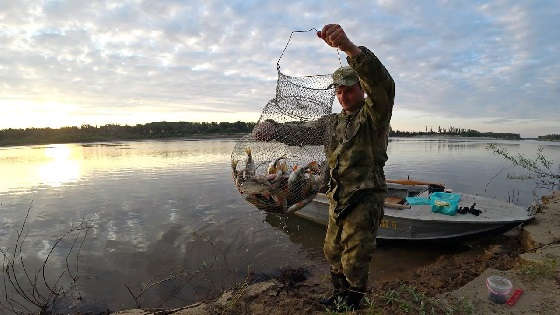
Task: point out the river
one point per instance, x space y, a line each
168 209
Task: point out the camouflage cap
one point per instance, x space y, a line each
345 76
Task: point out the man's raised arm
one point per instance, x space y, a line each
376 82
375 79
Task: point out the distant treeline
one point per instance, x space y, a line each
453 131
158 130
89 133
552 137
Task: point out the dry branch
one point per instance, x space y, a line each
24 290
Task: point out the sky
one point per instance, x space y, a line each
485 65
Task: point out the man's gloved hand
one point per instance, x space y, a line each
334 36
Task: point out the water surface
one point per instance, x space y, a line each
157 208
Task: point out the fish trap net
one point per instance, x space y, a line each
281 165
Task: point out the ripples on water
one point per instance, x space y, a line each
158 207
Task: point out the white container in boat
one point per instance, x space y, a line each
498 289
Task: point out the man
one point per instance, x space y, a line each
356 154
356 149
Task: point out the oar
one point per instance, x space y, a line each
413 182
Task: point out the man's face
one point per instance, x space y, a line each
350 97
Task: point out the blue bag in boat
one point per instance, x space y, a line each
418 201
445 203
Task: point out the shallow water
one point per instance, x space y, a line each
161 208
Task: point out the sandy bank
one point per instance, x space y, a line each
537 271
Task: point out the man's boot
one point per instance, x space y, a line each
340 285
352 298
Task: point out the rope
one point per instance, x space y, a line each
288 43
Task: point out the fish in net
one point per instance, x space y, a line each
281 165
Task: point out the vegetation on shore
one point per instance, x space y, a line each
456 132
89 133
160 130
551 137
541 168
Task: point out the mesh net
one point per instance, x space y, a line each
281 165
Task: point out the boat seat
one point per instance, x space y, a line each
395 203
394 199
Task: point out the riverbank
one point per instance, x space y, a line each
529 256
112 132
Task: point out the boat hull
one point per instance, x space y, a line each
396 224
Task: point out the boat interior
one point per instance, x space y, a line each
398 190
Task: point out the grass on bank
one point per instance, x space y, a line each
407 299
548 269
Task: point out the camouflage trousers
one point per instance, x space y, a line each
350 240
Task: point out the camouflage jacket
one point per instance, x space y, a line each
356 146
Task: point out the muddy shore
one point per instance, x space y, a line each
456 283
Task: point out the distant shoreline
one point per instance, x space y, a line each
111 132
205 130
189 137
460 137
470 137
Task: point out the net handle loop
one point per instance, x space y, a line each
288 43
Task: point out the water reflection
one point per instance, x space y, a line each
63 167
388 257
303 232
27 168
159 206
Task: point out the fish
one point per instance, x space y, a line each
298 175
283 168
281 172
250 168
299 182
316 182
280 192
234 168
275 165
255 185
261 180
235 174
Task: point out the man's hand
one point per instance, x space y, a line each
334 36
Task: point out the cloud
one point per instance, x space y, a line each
460 59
